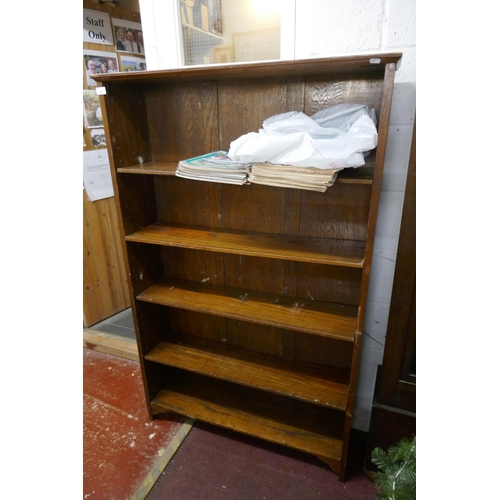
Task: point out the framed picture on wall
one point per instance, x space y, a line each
128 36
99 62
131 63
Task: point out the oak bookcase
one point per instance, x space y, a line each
248 301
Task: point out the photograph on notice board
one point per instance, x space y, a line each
92 113
98 137
99 62
130 63
128 36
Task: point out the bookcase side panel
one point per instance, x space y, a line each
146 266
183 119
137 201
127 121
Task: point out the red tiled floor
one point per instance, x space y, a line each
121 444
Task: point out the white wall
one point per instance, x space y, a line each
339 27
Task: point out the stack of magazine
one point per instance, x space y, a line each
310 178
214 167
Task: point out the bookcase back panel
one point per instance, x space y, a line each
318 282
323 92
245 106
183 201
183 120
253 208
329 283
280 344
255 273
194 265
320 350
261 339
341 212
197 325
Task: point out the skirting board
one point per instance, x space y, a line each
110 344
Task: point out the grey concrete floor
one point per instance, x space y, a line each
121 324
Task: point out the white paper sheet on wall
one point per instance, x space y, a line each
97 175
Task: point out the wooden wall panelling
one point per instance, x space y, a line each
105 288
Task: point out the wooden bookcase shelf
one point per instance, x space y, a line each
278 419
328 387
303 315
248 301
318 250
360 175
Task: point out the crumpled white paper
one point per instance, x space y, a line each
338 136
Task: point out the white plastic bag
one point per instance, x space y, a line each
339 136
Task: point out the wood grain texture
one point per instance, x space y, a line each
241 100
110 344
266 286
325 91
151 168
314 317
320 250
177 197
323 387
360 175
258 338
197 324
358 64
267 208
105 284
342 213
183 120
277 419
